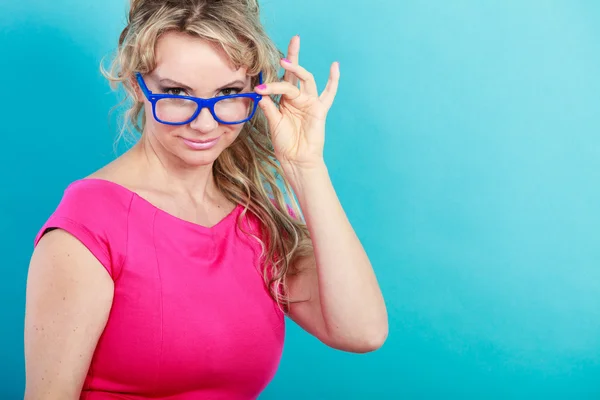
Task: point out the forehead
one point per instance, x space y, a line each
193 60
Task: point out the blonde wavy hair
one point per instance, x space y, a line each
247 172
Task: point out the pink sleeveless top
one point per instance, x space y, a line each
191 317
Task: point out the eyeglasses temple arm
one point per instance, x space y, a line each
142 83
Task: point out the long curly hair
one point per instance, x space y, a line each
247 172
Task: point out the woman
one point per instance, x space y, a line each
168 272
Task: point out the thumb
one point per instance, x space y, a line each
269 108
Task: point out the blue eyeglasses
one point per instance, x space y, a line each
171 109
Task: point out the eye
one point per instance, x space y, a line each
229 91
174 91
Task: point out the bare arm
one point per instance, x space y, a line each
69 296
344 308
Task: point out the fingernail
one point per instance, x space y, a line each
286 60
298 36
261 87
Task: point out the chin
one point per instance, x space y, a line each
198 158
201 157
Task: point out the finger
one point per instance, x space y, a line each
269 108
330 91
293 55
307 80
285 89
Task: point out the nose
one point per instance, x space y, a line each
204 122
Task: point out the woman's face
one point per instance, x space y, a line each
190 66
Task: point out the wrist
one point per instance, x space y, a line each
306 179
296 170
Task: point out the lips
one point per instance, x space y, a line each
200 144
200 141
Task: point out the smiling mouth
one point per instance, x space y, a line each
197 144
200 141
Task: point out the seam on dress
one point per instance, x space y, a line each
160 351
122 264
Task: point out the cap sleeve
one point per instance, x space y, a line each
95 212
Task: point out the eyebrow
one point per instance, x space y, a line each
171 82
237 82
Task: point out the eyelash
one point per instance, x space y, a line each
181 92
232 89
169 90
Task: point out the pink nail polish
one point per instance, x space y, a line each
286 60
261 87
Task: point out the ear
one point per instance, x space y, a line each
138 96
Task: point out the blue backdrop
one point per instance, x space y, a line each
463 144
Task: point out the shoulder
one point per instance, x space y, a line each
95 212
95 203
99 195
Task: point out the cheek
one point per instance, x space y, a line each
160 131
148 112
231 132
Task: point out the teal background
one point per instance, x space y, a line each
463 145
